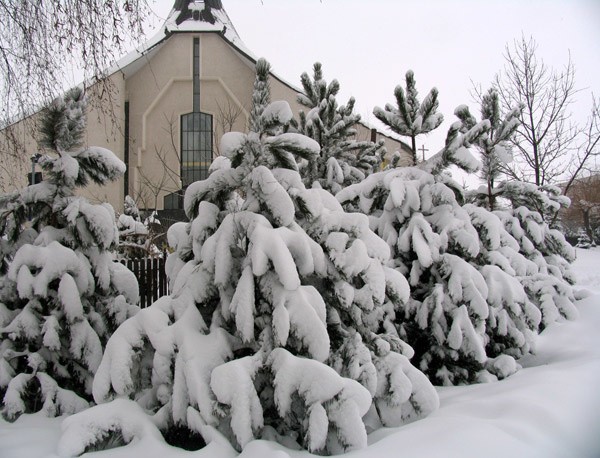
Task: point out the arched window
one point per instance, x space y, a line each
196 147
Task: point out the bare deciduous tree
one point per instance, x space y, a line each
548 143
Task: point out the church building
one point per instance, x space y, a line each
171 101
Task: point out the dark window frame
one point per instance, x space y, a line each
196 146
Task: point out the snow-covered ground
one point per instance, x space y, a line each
549 409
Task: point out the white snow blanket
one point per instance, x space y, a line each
549 409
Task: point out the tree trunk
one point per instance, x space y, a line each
586 223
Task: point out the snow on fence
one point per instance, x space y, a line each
151 277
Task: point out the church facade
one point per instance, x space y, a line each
170 103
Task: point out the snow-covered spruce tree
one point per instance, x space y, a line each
450 253
249 344
61 294
513 319
410 117
343 160
527 212
495 148
549 280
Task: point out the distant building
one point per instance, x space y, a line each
172 101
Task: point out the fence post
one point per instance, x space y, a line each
162 278
151 276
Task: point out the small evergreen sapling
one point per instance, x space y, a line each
61 294
583 240
410 117
495 147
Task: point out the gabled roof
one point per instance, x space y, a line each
202 16
186 16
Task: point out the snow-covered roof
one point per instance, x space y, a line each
202 18
187 16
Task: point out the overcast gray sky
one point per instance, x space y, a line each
368 45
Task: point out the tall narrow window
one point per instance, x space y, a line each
196 147
196 133
196 76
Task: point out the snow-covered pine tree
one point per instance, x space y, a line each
415 211
363 295
527 212
583 240
513 319
133 233
343 159
495 148
61 294
410 117
449 253
549 280
249 344
130 208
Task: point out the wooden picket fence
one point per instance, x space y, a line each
151 277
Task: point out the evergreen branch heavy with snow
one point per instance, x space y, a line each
460 137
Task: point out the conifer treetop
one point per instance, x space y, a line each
410 117
343 159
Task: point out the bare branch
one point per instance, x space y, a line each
547 139
47 46
589 148
152 187
229 113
